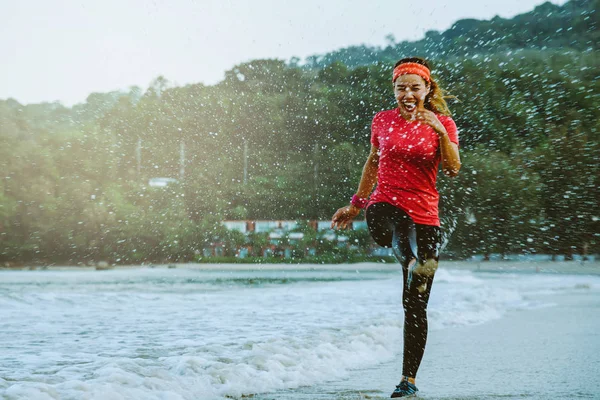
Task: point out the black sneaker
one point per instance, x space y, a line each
405 389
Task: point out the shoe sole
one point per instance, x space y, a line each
408 396
427 269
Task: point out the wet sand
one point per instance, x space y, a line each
546 353
553 267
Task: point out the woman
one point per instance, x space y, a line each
408 143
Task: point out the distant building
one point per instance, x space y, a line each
358 225
260 226
281 239
240 226
161 182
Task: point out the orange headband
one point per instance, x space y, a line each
412 68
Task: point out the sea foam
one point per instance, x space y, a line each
188 335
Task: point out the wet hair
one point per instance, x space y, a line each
435 100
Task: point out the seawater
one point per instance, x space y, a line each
175 334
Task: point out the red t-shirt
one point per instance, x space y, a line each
408 164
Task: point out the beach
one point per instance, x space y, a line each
561 267
497 330
546 353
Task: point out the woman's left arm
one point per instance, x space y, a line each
450 155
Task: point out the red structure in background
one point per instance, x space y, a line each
282 238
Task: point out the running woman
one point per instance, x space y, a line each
408 144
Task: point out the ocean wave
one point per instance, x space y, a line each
172 337
216 373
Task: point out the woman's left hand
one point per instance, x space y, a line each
428 117
450 156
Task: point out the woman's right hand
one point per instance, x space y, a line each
344 216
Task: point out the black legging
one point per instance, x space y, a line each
392 227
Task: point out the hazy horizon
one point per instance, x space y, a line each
66 50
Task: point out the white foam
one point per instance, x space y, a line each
170 338
280 363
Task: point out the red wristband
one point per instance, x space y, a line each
359 202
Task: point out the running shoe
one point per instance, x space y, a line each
425 270
405 389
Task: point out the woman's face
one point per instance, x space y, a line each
409 90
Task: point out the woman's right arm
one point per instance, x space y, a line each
345 215
369 174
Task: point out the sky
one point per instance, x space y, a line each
63 50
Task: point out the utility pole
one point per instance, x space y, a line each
181 160
245 161
138 156
316 180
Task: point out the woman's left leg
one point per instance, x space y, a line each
415 297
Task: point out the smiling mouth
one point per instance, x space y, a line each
409 106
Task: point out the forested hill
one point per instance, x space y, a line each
572 26
275 140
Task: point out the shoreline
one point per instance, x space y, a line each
509 335
548 267
542 349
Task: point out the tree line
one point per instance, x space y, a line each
275 140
